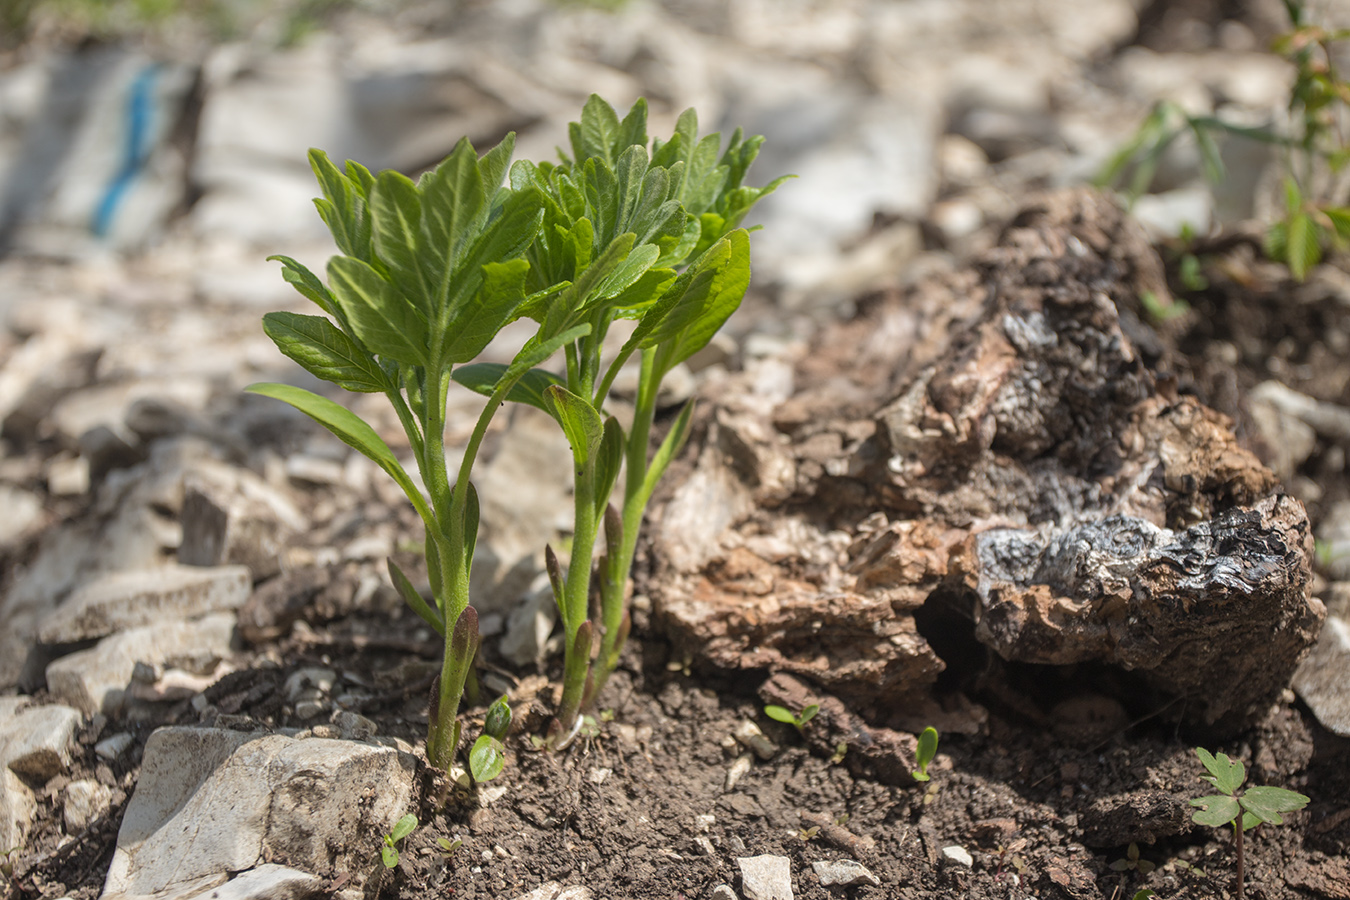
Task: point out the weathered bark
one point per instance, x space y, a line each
1000 440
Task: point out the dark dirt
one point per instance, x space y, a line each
1044 796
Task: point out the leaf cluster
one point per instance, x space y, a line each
1256 805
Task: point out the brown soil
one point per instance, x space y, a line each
1044 803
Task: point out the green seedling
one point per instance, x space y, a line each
1242 810
1133 862
787 717
1315 150
1144 894
924 753
840 751
449 847
488 755
430 271
402 828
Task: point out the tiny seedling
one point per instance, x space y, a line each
787 717
402 828
840 751
1133 862
924 753
488 755
449 847
1242 810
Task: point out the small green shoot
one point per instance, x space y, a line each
840 751
1133 862
488 755
449 847
402 828
787 717
924 753
1255 806
1144 894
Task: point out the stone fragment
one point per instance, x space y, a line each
18 806
1323 678
747 733
230 515
95 680
958 855
738 769
84 801
22 514
723 892
211 802
843 873
36 743
266 882
765 877
129 599
113 746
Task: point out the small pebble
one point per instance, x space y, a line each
110 748
959 855
766 877
843 872
738 770
748 734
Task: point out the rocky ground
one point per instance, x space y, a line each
947 471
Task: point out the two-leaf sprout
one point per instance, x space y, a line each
1245 810
402 828
787 717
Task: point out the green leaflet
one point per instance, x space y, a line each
307 283
383 319
396 213
318 345
500 292
348 427
487 758
609 457
482 378
579 420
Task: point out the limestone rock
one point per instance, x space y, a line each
1323 679
843 873
36 743
83 802
766 877
212 802
96 679
129 599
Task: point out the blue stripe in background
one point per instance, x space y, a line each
140 108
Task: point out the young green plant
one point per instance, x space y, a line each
389 850
647 235
924 753
788 717
1242 810
429 272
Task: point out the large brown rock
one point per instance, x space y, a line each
1000 443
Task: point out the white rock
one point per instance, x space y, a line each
747 733
843 872
22 516
112 747
37 742
738 769
17 808
958 855
95 680
230 515
1323 678
83 802
315 677
210 802
268 882
765 877
129 599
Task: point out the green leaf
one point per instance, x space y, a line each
1302 250
318 345
1340 221
482 378
396 214
780 714
1209 150
927 748
381 316
1266 803
598 131
607 462
342 207
579 420
453 203
349 428
699 301
1215 810
487 758
389 856
307 283
1225 774
414 599
505 237
669 449
498 718
475 325
404 827
492 165
809 713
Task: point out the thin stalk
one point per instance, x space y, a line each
1237 839
576 593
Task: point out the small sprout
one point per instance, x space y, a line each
923 755
606 715
785 715
1144 894
487 758
807 833
1132 861
839 751
590 729
448 847
402 828
1243 811
498 718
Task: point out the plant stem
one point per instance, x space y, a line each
1237 839
576 593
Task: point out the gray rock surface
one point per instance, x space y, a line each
1323 678
765 877
84 801
126 600
211 802
843 873
37 742
96 679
